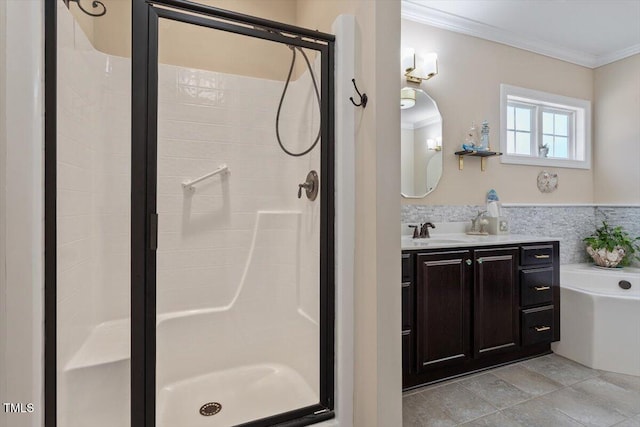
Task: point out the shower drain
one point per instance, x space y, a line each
209 409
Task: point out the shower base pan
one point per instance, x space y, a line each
236 396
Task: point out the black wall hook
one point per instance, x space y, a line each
363 96
96 4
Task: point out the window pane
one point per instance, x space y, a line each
547 141
560 148
523 143
510 119
562 125
523 119
547 122
511 144
545 128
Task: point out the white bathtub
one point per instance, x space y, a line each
600 321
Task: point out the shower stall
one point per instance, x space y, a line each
193 223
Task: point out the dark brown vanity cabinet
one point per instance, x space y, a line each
443 306
472 308
408 352
540 293
496 312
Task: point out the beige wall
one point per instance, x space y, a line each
467 89
216 50
617 132
377 399
3 213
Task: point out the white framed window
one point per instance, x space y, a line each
540 128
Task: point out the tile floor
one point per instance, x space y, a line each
548 391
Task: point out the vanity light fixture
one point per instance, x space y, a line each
407 98
419 67
434 144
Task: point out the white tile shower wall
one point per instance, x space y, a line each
112 191
93 181
570 224
207 119
93 193
78 105
209 245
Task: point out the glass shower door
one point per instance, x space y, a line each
242 180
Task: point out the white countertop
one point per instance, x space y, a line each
461 240
453 235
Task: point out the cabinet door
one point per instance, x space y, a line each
443 291
496 297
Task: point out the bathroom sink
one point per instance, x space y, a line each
436 240
409 241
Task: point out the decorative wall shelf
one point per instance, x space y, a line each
482 154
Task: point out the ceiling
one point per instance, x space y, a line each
585 32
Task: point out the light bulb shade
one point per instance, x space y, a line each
431 144
417 68
430 65
407 98
408 61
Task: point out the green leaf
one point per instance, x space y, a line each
608 238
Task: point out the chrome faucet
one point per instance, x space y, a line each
424 230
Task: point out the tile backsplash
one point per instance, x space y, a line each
569 224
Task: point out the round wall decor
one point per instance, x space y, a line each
547 182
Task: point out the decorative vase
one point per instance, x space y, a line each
605 258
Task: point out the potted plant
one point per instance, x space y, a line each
612 246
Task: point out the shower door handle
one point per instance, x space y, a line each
153 231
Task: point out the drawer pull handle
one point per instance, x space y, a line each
480 260
541 256
468 262
541 288
542 328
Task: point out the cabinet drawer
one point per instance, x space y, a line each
407 306
407 268
536 255
536 286
537 325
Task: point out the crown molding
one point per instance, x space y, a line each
617 55
436 18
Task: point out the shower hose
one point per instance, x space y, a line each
284 91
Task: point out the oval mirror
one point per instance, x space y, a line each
420 143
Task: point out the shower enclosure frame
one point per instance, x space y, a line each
144 219
145 17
